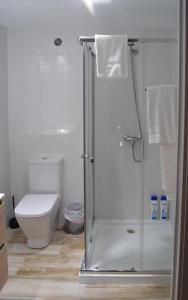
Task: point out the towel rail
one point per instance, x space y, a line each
131 41
89 39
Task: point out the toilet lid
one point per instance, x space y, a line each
35 205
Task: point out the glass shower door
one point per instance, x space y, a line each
113 195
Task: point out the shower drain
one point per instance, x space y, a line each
130 230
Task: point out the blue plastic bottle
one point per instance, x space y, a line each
163 208
154 207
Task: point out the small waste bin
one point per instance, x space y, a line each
74 217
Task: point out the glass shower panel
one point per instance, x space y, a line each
157 235
88 149
115 242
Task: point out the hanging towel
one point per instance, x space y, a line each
111 56
168 157
161 114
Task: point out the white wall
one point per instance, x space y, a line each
120 183
45 95
117 176
45 86
160 67
81 16
4 140
45 98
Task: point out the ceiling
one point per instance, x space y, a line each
117 15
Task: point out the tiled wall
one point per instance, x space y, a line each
45 95
45 117
4 140
160 67
120 182
45 107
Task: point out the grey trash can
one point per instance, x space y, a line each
74 217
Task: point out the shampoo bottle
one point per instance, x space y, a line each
154 207
163 208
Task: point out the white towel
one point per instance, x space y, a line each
161 114
168 156
111 56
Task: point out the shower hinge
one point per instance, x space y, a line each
84 155
91 158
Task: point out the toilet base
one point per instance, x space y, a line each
39 229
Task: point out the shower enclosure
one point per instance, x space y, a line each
122 170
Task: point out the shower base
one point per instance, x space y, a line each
141 253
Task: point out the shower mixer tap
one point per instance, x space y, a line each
132 139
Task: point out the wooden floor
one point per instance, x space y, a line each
52 274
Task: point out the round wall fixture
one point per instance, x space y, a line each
58 42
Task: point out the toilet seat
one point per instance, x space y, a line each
36 205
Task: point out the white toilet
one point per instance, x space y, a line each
37 212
